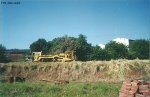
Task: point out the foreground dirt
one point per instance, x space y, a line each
91 71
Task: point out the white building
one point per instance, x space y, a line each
102 46
124 41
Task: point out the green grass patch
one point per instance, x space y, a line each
50 90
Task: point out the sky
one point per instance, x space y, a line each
99 20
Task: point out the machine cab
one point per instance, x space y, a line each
36 55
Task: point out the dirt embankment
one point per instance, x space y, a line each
91 71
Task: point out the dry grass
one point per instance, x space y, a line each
91 71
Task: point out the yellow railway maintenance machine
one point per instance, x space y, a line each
62 57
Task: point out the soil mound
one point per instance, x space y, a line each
91 71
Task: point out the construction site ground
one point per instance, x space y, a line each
97 78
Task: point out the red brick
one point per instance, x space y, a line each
132 92
126 87
122 94
134 89
135 82
141 81
144 91
139 95
124 91
148 83
131 95
127 81
143 86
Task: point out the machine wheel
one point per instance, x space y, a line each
55 59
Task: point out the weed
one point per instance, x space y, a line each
26 68
33 67
2 70
77 67
97 68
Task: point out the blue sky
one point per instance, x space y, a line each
100 20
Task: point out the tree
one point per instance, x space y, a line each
139 49
83 49
40 45
3 58
116 50
49 45
62 44
2 52
99 53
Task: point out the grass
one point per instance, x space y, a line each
50 90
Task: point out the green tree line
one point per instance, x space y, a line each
85 51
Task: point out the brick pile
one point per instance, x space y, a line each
135 88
